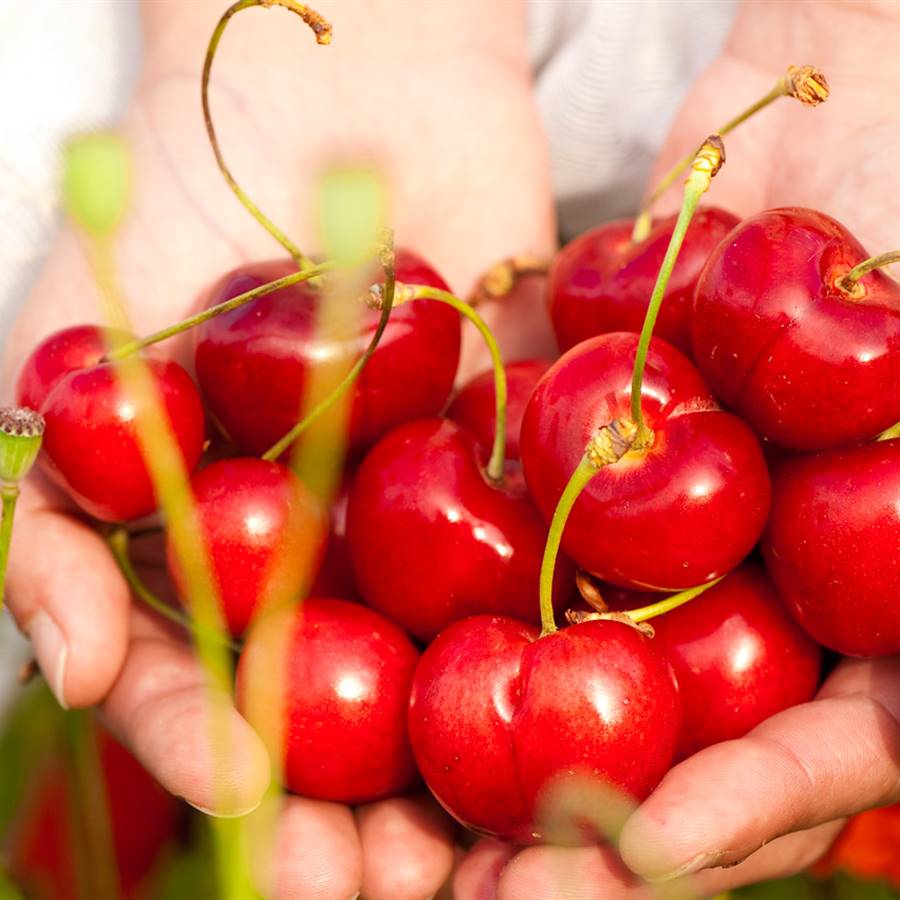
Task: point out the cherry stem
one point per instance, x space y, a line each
10 495
707 162
117 540
135 346
849 283
500 280
890 433
322 31
804 83
666 605
608 446
497 460
386 294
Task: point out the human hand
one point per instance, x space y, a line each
398 89
770 804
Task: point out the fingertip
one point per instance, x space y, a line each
316 852
564 873
407 848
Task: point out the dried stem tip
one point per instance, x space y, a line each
403 293
21 433
807 84
710 157
611 442
499 281
320 27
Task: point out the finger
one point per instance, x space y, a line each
186 734
808 765
478 874
316 852
67 595
407 848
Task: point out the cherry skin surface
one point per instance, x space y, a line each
738 657
345 674
501 720
601 282
832 546
78 347
263 532
254 363
474 407
803 363
334 577
433 541
681 512
91 445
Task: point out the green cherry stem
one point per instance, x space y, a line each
408 292
606 447
666 605
849 283
804 83
21 434
135 346
322 31
117 541
386 294
708 160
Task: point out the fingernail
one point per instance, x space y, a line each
224 815
700 861
52 653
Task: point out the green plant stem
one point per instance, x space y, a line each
324 405
849 282
132 347
706 163
668 604
117 540
10 495
96 867
585 471
497 460
322 32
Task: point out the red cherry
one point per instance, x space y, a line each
832 543
347 677
433 540
78 347
253 363
263 533
91 444
681 512
43 845
804 363
601 282
335 575
474 407
499 719
738 658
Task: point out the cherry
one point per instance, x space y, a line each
738 657
474 406
263 535
501 720
91 445
335 575
831 546
803 359
433 539
44 844
686 508
78 347
327 685
601 281
253 363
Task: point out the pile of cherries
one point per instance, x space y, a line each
426 642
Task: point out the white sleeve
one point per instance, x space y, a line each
610 75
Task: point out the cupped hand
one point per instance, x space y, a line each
771 803
468 186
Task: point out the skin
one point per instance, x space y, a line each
793 780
